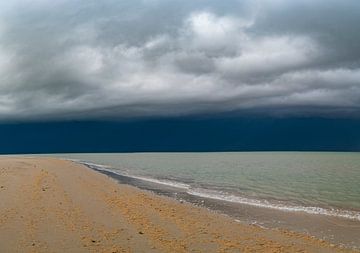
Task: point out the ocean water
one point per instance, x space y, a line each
312 182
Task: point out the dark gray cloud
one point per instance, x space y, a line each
83 59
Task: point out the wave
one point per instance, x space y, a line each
218 195
225 196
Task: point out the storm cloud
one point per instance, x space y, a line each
91 59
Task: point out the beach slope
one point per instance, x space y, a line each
52 205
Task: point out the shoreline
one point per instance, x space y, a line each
337 230
54 205
280 206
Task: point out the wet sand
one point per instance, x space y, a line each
51 205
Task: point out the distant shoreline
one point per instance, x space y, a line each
182 151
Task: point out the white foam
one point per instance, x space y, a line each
164 182
354 215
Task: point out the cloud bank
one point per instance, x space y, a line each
91 59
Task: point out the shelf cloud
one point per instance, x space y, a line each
90 59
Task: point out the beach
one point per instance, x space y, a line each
54 205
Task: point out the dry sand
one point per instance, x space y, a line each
51 205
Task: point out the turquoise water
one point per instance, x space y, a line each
327 183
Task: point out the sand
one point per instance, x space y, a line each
52 205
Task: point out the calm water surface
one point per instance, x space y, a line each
327 183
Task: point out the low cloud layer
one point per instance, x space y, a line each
90 59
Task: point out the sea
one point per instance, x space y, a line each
313 192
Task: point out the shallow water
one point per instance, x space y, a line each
327 183
315 193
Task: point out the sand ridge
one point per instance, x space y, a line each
52 205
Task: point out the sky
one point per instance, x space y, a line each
141 61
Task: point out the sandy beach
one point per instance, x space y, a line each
52 205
